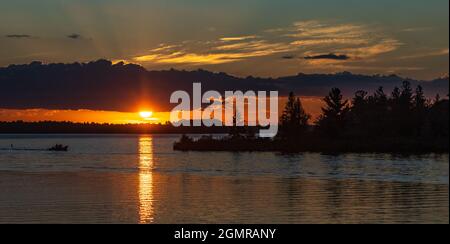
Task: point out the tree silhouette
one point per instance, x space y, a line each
406 96
420 102
438 117
421 125
294 120
360 103
380 97
360 113
396 94
333 120
379 110
401 113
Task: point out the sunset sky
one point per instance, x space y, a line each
241 37
257 37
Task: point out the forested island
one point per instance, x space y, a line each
404 121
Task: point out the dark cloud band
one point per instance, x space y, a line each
18 36
102 85
331 56
74 36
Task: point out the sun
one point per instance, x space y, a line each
146 114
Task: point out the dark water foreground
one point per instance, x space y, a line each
160 198
139 179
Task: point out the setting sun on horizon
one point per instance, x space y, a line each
146 114
224 114
84 116
141 115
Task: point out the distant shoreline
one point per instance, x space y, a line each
52 127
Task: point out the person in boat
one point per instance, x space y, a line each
59 147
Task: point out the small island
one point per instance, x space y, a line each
403 122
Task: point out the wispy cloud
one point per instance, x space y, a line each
310 43
214 53
317 29
182 57
316 41
435 53
377 48
237 38
259 47
191 58
417 29
18 36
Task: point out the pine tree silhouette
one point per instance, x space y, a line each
333 121
294 120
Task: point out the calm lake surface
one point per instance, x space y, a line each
140 179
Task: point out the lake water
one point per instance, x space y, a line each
140 179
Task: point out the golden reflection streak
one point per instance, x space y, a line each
145 180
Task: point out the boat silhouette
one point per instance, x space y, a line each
55 148
59 148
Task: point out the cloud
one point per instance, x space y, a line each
328 42
214 53
331 56
61 86
321 34
442 52
377 48
238 38
74 36
201 59
163 47
258 48
417 29
316 41
361 41
288 57
317 29
249 45
18 36
191 58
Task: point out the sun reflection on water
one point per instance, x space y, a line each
145 179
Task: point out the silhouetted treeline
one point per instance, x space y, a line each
50 127
404 121
405 113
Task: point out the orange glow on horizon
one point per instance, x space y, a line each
83 116
146 114
312 105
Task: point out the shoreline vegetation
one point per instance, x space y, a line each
391 145
54 127
402 122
